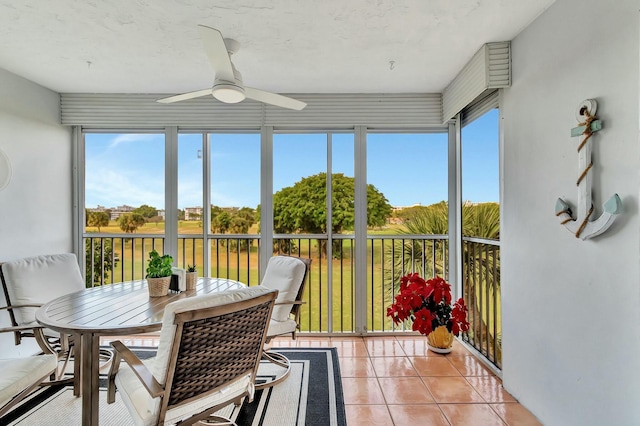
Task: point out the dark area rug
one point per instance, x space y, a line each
311 395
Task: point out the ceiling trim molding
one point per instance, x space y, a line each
489 68
323 110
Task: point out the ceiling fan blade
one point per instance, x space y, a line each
273 99
184 96
217 53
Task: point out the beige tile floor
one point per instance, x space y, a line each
397 381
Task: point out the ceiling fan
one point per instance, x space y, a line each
227 85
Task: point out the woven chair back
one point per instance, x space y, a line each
215 347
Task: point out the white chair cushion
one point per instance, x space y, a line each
276 328
135 396
40 279
284 274
144 409
17 374
227 393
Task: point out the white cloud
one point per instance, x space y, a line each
110 187
132 137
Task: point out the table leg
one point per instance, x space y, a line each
90 378
77 362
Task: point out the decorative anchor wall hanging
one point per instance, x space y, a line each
581 226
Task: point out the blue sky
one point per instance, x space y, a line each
407 168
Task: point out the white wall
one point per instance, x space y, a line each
36 207
571 308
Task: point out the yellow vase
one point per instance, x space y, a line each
440 340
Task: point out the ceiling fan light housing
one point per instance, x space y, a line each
228 93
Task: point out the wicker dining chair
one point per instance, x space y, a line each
207 358
29 283
288 275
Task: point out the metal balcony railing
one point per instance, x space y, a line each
481 291
389 258
330 292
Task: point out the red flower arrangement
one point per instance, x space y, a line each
428 305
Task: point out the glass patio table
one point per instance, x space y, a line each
114 309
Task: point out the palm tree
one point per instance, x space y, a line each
415 253
427 257
481 220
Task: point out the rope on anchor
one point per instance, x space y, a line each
568 212
584 173
587 131
587 135
584 222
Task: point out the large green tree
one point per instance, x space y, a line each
232 219
130 222
156 220
303 207
98 219
221 222
242 220
146 211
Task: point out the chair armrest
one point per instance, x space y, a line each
290 302
20 306
17 328
121 352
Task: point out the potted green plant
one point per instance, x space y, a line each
158 274
427 304
192 277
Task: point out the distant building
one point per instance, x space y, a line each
395 221
98 209
116 212
192 213
398 208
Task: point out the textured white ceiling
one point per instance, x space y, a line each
287 46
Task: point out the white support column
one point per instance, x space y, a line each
329 225
78 210
455 206
266 197
171 193
206 202
360 228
